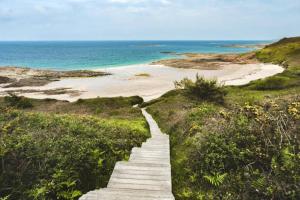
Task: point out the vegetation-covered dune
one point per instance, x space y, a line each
286 52
59 150
236 142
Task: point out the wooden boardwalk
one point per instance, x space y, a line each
147 174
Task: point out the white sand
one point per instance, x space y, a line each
124 81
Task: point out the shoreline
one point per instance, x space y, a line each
154 81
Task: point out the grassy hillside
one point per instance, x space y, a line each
246 147
285 52
58 150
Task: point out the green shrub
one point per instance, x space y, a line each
251 154
50 156
233 152
111 102
272 83
17 101
203 89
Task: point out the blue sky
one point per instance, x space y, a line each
148 19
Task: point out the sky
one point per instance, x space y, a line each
149 19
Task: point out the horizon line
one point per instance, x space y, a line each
138 40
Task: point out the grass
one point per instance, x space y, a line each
18 102
289 78
285 52
60 150
118 107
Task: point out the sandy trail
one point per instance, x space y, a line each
124 81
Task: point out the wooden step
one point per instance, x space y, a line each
138 193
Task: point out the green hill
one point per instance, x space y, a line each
285 52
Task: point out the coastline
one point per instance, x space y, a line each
154 81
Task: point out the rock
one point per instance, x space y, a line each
34 81
4 79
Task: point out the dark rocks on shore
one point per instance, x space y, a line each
72 74
4 79
57 91
207 61
34 81
43 77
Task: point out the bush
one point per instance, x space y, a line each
18 102
203 89
252 153
272 83
246 151
109 103
49 156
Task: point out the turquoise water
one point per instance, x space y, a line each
68 55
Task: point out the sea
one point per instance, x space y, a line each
80 55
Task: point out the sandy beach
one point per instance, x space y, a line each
146 80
